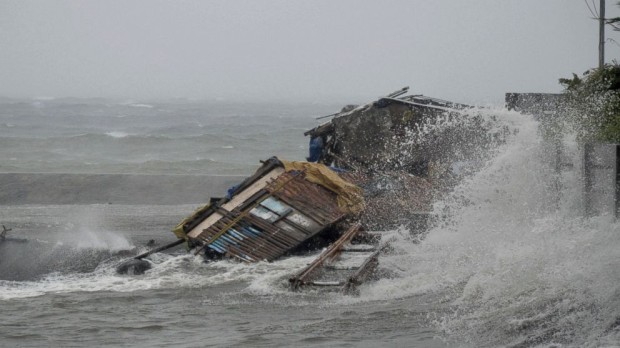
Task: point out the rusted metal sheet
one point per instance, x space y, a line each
313 200
274 218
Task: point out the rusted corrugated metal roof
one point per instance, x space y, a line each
288 211
317 202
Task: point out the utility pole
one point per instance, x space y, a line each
601 35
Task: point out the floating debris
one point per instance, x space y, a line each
344 264
3 233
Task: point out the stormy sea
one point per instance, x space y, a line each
86 182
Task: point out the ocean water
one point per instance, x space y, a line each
502 267
101 136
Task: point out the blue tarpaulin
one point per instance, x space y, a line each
316 149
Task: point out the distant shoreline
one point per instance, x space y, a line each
153 189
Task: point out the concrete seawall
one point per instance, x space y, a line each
44 188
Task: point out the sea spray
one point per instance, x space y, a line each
84 227
178 272
76 239
514 269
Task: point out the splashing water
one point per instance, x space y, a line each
170 272
101 239
514 268
86 230
507 266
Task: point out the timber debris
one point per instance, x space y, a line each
345 264
5 238
3 233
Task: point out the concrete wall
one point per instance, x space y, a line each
29 188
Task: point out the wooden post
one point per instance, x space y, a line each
601 35
617 177
588 180
161 248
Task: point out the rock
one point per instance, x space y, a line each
133 267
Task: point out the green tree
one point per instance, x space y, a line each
593 104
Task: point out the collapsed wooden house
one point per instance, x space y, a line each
283 206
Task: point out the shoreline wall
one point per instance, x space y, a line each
52 188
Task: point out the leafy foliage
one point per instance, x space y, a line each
593 104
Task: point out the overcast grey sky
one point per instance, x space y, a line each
319 50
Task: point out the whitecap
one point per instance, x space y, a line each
117 134
148 106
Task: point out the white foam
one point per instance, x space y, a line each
139 105
105 279
168 272
509 265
